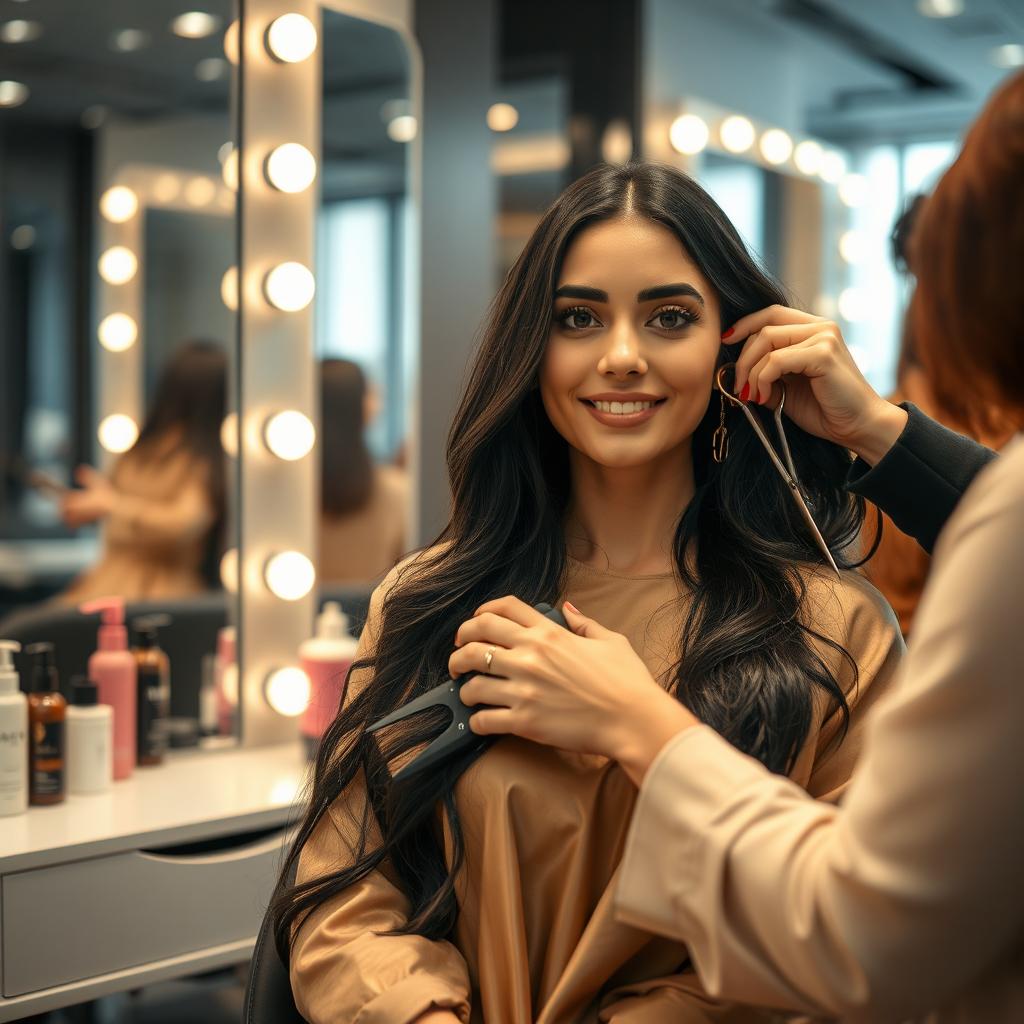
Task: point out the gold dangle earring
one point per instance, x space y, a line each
720 438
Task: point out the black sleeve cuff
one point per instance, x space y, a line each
919 481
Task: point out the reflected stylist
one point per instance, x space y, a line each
905 901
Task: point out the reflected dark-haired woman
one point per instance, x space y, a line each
581 467
364 507
162 507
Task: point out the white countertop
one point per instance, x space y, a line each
192 795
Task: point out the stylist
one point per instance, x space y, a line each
906 901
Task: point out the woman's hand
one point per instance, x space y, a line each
826 394
94 501
585 690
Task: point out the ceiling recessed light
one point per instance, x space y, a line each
13 94
129 39
211 68
195 25
940 8
1010 55
20 31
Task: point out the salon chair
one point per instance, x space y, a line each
268 990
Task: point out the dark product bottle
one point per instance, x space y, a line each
154 695
47 711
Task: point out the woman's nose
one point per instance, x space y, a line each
623 357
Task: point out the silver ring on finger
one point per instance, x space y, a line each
488 658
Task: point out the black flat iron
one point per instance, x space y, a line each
458 737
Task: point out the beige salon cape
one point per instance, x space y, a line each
537 941
907 902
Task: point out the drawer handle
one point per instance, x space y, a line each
222 850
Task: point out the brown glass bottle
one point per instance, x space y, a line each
154 682
47 711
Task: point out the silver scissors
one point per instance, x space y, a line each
787 471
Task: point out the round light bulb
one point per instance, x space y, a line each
229 434
229 168
290 167
833 166
1009 55
853 189
229 289
776 146
229 570
852 304
118 265
287 691
289 575
402 128
289 435
128 40
209 69
688 134
737 134
852 246
166 188
291 38
117 433
118 332
617 142
940 8
289 287
119 204
231 42
195 25
200 191
13 94
20 31
502 117
807 157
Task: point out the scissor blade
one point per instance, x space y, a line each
809 519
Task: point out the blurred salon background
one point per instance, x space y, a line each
245 248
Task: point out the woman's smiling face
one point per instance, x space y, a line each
628 368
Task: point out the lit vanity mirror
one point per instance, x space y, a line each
363 305
118 179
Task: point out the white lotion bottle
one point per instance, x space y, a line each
89 739
13 735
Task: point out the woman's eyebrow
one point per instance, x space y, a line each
661 291
668 291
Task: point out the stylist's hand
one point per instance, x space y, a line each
826 394
585 690
94 501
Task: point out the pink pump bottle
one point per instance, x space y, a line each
112 667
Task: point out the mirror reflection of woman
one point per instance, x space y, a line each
581 468
162 506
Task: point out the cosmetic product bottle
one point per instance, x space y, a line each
225 675
47 712
13 735
325 658
208 716
90 735
154 689
112 669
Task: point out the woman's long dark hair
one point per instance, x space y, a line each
747 665
187 410
346 469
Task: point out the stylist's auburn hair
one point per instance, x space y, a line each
967 249
748 663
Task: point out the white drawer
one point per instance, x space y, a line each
74 921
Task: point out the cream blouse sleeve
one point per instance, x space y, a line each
343 971
897 900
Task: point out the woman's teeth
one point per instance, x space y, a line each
622 408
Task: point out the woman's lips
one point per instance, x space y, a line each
622 419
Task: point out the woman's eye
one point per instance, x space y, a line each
673 318
578 319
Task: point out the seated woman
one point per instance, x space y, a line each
582 468
162 508
364 507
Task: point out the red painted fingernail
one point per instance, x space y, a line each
729 333
571 607
745 393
